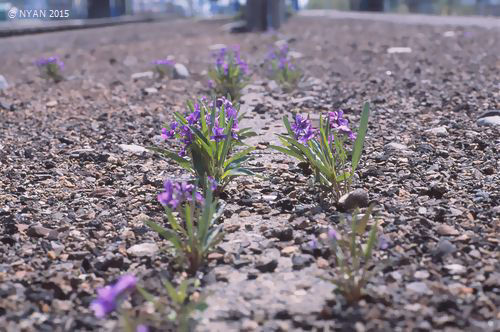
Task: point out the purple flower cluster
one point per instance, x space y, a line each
175 193
213 183
184 133
141 328
224 59
164 62
108 296
44 62
341 125
280 56
303 129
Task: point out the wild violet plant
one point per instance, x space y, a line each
325 149
352 257
178 301
230 73
208 136
282 69
182 303
163 68
109 299
51 68
193 232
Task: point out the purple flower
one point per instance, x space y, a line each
282 63
300 126
168 134
229 110
218 133
43 62
108 296
220 57
227 60
339 124
187 190
302 129
164 62
332 235
284 50
175 193
187 135
141 328
194 117
213 183
169 195
240 62
383 242
307 135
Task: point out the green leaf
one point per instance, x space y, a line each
201 161
166 233
171 291
146 295
287 125
361 226
238 155
180 118
184 163
200 135
182 292
237 172
201 306
360 139
189 221
172 220
206 216
227 143
371 241
287 152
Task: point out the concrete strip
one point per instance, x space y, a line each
16 28
415 19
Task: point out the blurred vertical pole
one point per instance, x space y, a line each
98 8
256 15
276 13
372 5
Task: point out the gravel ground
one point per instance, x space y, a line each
73 201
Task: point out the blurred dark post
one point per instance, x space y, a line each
256 15
98 8
264 14
236 6
119 8
276 13
372 5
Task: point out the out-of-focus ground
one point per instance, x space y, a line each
73 201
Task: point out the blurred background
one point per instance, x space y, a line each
82 9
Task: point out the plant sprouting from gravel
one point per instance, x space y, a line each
177 307
109 299
193 232
352 256
51 68
230 73
183 300
282 68
207 137
163 68
325 149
